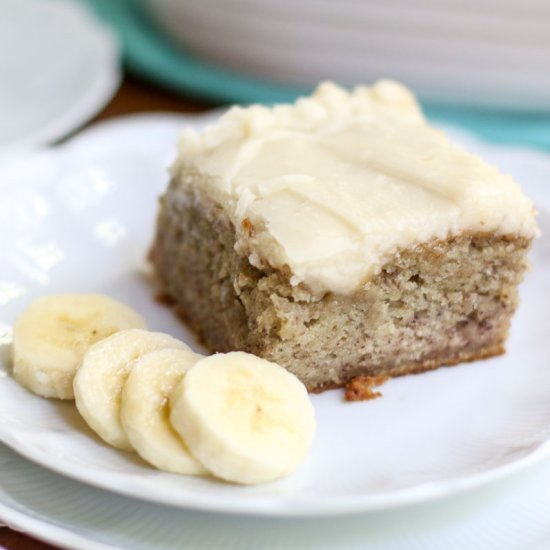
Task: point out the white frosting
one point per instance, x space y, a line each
335 184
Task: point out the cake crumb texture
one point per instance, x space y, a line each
361 388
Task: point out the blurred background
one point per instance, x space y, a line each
483 65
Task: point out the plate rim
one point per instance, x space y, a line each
36 520
373 503
48 532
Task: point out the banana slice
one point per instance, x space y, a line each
51 336
245 419
99 380
144 410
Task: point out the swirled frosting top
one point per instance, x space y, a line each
332 186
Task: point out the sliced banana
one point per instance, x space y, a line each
100 378
144 410
245 419
51 336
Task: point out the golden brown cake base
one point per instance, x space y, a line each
440 303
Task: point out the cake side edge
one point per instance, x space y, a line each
391 326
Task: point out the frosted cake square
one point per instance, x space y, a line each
342 236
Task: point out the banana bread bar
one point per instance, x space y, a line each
342 236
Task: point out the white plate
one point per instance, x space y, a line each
80 218
509 515
58 68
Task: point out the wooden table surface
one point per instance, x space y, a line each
133 97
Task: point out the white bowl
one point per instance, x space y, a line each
485 53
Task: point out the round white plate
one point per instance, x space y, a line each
59 67
509 515
80 218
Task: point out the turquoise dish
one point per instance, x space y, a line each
151 55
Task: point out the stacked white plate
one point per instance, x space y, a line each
487 52
444 461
